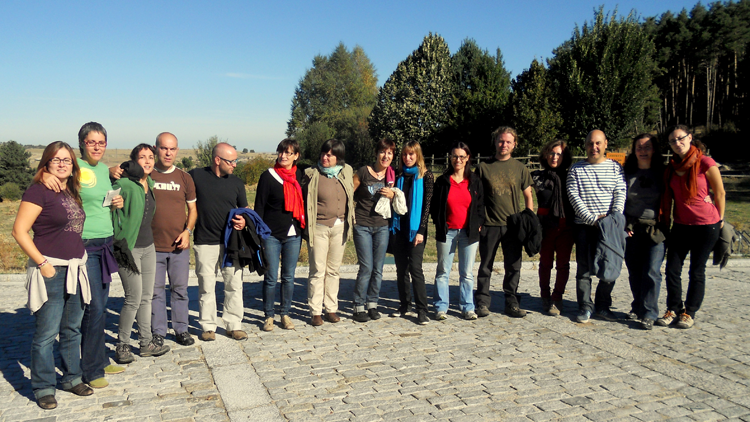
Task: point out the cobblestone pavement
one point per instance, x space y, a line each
496 368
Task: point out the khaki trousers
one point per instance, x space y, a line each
207 262
325 260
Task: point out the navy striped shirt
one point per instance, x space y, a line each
596 189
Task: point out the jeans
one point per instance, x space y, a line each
325 261
93 350
643 258
558 240
490 238
409 274
371 244
467 252
587 238
699 241
288 251
139 290
176 266
207 261
61 314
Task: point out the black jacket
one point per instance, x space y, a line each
526 226
439 209
244 248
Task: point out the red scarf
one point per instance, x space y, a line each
292 193
690 164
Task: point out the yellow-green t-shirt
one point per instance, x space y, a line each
94 186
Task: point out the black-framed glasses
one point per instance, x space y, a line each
56 161
460 157
287 153
675 140
229 162
101 144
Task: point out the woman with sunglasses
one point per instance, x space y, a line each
555 213
698 218
644 253
56 297
458 214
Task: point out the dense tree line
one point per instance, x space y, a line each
621 74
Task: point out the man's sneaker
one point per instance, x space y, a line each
441 316
470 315
647 323
422 318
483 311
268 325
583 316
668 318
123 355
286 322
155 347
184 339
632 316
361 317
514 311
208 336
606 315
238 335
685 322
553 310
113 369
373 314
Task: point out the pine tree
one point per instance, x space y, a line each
14 165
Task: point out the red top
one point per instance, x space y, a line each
459 200
697 211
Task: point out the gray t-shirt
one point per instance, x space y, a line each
644 191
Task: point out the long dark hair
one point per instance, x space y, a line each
657 159
73 186
467 168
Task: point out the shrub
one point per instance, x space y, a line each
253 168
10 191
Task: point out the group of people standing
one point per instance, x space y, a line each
137 219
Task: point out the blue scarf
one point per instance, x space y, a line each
330 172
415 202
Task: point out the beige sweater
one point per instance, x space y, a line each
77 273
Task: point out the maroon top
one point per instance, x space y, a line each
58 228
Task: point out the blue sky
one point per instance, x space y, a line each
229 68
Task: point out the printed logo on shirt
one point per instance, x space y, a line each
88 178
375 187
75 215
171 186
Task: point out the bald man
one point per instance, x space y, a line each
596 188
172 226
218 192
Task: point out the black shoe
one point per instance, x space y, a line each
373 314
81 389
123 355
632 316
605 314
514 312
361 317
184 339
422 318
647 324
483 311
47 402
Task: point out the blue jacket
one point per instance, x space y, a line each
261 229
610 250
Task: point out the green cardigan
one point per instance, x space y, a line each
127 221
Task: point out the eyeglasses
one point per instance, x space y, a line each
287 153
56 161
460 157
101 144
675 140
554 154
229 162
